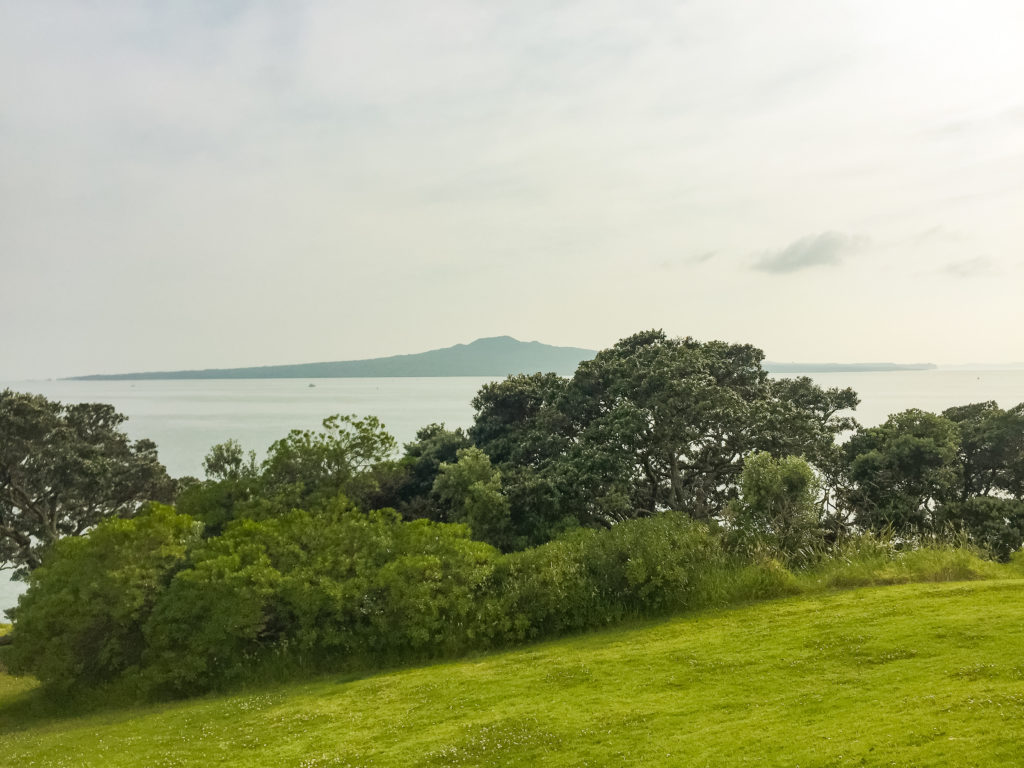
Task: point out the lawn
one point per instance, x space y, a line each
917 674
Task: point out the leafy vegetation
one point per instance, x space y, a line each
342 589
665 475
333 589
777 511
924 472
922 674
650 424
307 469
65 468
83 618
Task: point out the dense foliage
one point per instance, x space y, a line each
81 620
778 510
148 602
650 424
665 474
63 469
339 584
304 470
922 472
592 578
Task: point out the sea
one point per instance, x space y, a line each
186 418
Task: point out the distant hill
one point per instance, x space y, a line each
496 356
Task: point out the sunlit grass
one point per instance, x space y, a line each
916 674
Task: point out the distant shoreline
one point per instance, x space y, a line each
492 357
846 367
229 375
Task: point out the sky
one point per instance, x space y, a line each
213 184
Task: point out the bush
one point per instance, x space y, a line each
592 578
325 589
996 524
777 513
149 604
214 616
80 622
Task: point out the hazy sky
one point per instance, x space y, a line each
198 183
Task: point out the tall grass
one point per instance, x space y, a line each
873 559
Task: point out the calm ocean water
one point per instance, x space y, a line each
185 418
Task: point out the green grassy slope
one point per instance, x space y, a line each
921 674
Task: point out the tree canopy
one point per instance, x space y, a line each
902 470
63 469
651 424
991 449
334 549
306 469
922 472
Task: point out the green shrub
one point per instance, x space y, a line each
777 514
592 578
80 622
150 605
317 589
996 524
214 616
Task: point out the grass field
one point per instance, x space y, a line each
915 674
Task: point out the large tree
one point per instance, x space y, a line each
991 449
63 469
652 423
902 471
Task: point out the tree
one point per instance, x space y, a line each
808 419
469 491
991 449
520 425
417 470
232 483
65 468
518 420
306 469
228 461
652 424
314 466
902 471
